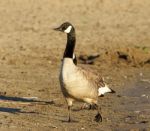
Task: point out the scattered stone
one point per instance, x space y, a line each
119 96
147 61
22 48
137 112
82 128
123 55
108 78
50 62
143 122
88 59
127 120
3 58
41 90
141 74
3 93
143 95
108 120
125 77
131 120
94 56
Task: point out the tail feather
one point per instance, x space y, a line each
112 91
103 90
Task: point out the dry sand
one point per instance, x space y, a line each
31 53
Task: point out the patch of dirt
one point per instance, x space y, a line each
31 53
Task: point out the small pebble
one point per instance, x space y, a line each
137 112
144 122
141 74
118 95
108 120
143 95
82 128
107 77
125 77
50 62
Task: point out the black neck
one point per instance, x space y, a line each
71 40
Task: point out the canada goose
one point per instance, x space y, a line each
77 84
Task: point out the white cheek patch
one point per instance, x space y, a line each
68 29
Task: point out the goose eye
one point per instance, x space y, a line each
63 28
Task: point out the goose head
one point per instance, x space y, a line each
65 27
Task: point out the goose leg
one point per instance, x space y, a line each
69 103
98 117
69 113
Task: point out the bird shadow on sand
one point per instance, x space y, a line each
19 99
15 110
